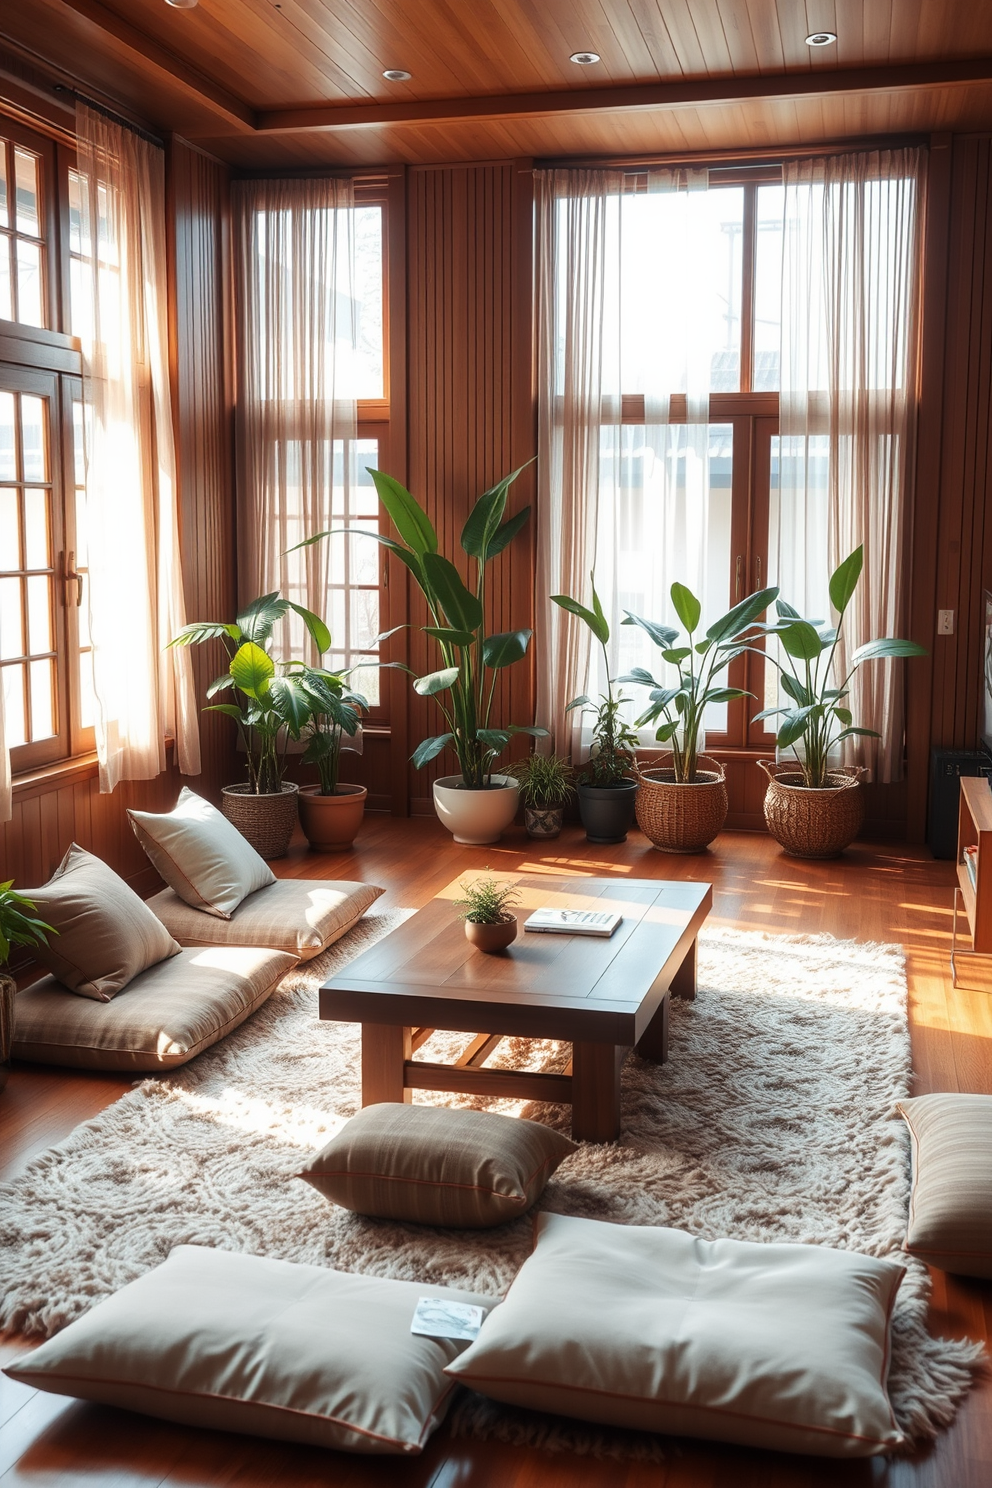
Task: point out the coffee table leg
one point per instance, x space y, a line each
384 1050
684 980
596 1092
653 1042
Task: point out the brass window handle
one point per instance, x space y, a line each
71 575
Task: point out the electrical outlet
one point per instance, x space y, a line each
945 622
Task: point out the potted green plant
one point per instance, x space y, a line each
682 806
331 812
813 808
546 784
606 788
19 926
271 707
478 803
489 924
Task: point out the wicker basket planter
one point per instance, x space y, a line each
678 817
267 822
812 823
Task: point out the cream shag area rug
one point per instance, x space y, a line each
774 1119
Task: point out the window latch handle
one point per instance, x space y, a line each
71 575
737 577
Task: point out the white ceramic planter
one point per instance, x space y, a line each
476 817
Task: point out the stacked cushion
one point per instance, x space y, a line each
105 935
201 856
950 1213
302 916
467 1169
270 1348
776 1346
165 1015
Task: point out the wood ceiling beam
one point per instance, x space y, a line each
139 50
637 96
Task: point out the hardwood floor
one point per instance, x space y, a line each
883 893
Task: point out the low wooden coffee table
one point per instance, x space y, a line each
604 996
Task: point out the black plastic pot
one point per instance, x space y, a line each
607 811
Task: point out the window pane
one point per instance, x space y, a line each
368 302
39 614
87 707
797 537
768 289
4 221
11 626
42 702
79 225
36 545
10 530
6 304
15 726
8 455
29 310
33 445
28 208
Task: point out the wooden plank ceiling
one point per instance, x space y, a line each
291 82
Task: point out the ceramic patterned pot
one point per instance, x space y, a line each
543 822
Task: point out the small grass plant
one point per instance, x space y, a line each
487 901
546 781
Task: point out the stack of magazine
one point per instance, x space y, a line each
573 921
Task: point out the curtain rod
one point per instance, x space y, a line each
736 158
99 108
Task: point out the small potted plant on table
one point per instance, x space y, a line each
607 788
546 783
18 927
812 808
489 924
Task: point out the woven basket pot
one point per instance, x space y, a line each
266 821
678 817
813 823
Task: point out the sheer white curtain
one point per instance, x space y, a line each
850 309
135 594
625 296
297 324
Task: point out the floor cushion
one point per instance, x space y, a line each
950 1212
201 855
468 1169
164 1017
104 934
774 1346
271 1348
300 915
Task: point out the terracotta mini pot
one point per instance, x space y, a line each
331 823
492 938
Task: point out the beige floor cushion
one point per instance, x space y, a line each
201 855
467 1169
164 1017
240 1343
105 935
780 1346
300 915
950 1212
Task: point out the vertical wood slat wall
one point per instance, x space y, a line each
470 404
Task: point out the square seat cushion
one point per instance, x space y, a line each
303 916
950 1212
164 1017
104 934
201 855
467 1169
241 1343
780 1346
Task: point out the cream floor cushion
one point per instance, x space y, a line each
162 1018
300 915
775 1346
272 1348
950 1212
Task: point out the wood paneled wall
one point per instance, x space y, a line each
470 404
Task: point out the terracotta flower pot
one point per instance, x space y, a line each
332 823
491 937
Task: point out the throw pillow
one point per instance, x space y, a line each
780 1346
201 855
300 915
105 935
241 1343
950 1212
466 1169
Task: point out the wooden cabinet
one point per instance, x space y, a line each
973 894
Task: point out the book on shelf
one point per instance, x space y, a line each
970 859
573 922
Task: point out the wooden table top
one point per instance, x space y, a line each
544 986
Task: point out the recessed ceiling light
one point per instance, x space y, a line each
821 38
584 59
182 4
397 75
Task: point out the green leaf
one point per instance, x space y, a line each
638 675
535 731
503 650
741 616
844 716
724 695
664 695
704 645
597 608
792 729
579 702
251 668
599 628
479 535
461 607
504 535
494 739
787 611
887 647
861 732
429 749
407 515
677 655
844 580
686 605
449 636
258 619
319 633
231 709
769 713
291 703
204 630
800 640
220 684
436 682
665 732
796 690
662 635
